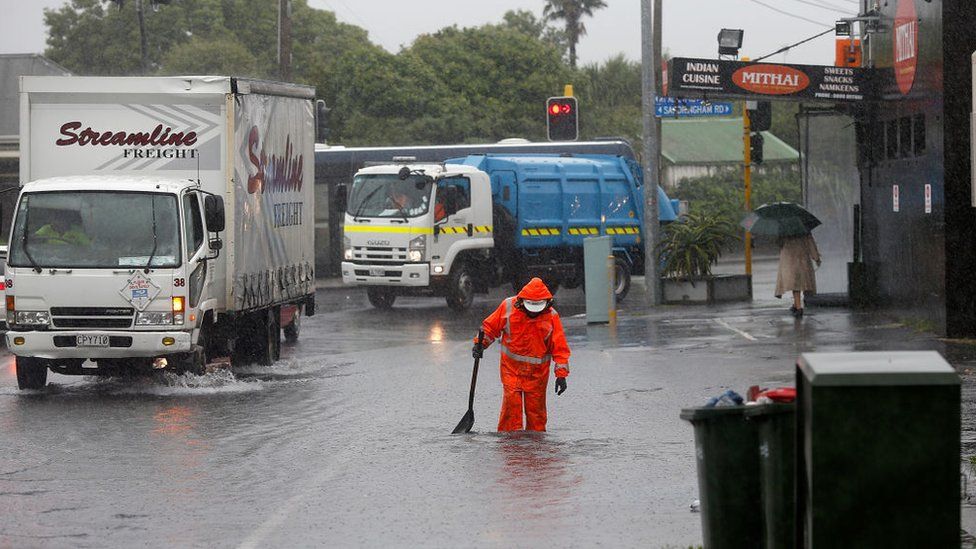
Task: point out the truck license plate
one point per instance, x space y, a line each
92 341
377 271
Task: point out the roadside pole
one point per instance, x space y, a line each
747 167
651 151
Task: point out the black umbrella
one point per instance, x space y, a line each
780 219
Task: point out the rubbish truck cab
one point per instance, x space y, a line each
461 227
407 225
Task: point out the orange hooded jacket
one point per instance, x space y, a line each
528 344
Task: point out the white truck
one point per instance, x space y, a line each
119 259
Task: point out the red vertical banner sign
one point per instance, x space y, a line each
905 45
928 198
895 203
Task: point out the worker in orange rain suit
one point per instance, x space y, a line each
531 336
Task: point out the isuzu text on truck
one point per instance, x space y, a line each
473 223
122 253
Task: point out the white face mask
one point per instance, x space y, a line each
534 306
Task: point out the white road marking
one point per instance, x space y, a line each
725 324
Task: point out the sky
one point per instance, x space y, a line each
690 26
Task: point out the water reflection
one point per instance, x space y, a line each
535 478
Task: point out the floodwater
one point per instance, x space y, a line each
345 442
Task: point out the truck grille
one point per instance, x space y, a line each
375 253
92 317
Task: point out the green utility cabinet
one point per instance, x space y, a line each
878 446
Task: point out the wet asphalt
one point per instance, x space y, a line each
345 442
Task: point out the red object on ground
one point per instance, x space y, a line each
780 394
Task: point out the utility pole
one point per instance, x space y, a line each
650 64
747 174
284 40
143 41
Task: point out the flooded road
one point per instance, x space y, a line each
345 442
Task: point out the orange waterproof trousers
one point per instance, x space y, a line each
514 401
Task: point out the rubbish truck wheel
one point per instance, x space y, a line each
381 298
621 279
461 288
293 330
31 372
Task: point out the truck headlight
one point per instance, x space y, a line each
154 318
416 248
32 318
346 248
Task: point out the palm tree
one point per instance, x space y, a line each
572 12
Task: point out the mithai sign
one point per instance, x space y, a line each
711 78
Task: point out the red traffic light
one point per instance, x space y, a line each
561 118
560 108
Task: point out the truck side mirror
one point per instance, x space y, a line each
213 212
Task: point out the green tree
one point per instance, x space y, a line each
610 99
210 56
571 12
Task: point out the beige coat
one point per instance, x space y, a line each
796 257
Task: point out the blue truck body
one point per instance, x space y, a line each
546 205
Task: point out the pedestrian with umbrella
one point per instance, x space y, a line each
798 252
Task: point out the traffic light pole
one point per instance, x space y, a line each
651 151
747 166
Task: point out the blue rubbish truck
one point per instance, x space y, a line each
460 227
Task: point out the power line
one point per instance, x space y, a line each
787 48
788 14
825 6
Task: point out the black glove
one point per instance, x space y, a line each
560 385
477 351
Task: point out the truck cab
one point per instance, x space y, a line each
109 268
409 228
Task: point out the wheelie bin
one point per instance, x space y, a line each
776 429
728 476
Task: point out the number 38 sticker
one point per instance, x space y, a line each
179 282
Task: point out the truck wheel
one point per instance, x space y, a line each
31 372
201 356
293 330
270 347
460 288
621 279
381 298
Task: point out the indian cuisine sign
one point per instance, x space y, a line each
711 78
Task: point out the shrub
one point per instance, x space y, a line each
690 247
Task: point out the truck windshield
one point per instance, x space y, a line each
386 195
96 230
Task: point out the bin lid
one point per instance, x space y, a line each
710 412
877 368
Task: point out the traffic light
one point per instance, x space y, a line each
760 115
756 148
562 120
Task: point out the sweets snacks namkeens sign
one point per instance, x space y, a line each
711 78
